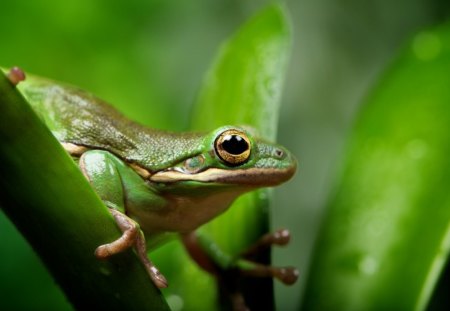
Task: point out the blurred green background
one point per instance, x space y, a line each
148 58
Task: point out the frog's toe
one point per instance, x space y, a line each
287 275
158 278
102 252
280 237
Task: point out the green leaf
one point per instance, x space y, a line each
243 87
45 195
245 82
63 203
386 234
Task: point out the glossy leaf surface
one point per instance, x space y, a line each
386 234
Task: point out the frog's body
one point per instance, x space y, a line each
78 117
154 180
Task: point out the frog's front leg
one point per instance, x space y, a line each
228 268
211 258
105 173
281 237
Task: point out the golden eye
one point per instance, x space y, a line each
233 147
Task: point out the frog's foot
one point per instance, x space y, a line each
281 237
132 236
130 230
15 75
230 270
212 259
287 275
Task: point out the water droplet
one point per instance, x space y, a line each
175 302
426 45
368 265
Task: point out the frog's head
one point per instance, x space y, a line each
232 156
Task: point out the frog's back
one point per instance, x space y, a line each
78 117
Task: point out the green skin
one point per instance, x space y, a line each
155 182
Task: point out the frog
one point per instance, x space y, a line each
158 183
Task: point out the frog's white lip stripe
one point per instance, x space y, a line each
259 177
73 149
251 176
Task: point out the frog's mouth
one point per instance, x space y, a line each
258 177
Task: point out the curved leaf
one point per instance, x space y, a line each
386 233
45 195
243 87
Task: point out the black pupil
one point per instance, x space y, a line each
234 144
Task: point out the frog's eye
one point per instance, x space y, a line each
233 147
